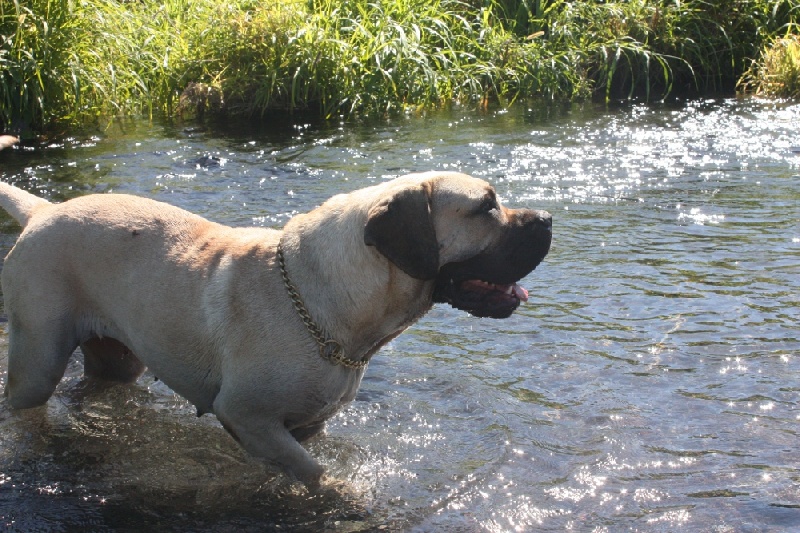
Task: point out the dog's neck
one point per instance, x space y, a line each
355 278
329 348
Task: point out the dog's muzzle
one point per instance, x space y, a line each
485 285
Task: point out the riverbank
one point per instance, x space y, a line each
74 62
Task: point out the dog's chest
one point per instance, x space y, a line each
326 401
328 410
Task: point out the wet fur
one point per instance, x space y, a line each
138 283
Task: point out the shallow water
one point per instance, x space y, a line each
652 381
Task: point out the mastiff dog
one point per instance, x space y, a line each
269 330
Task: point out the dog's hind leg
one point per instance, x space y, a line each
108 359
37 358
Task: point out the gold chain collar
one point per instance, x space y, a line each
329 349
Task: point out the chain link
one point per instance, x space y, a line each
329 349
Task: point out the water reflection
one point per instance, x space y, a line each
650 383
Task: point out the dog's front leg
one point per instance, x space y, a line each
267 438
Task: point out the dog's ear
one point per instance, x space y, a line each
401 228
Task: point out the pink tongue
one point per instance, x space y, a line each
520 292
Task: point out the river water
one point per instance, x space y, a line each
651 382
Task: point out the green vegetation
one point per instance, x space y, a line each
777 72
77 60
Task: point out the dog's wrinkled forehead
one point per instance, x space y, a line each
459 191
463 224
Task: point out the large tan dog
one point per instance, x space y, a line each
269 330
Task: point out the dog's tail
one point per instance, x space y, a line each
20 204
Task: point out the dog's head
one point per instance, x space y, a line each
450 228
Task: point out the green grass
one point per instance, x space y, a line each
75 61
777 71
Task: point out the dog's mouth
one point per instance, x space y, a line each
486 285
481 298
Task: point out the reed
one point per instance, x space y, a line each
36 59
75 61
777 70
357 57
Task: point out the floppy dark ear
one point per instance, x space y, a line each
401 228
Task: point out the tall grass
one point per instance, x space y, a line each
72 61
375 58
77 60
37 60
777 71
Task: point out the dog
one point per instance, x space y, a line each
269 330
7 141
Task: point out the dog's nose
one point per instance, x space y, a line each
531 219
543 218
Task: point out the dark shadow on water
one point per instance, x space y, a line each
111 458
